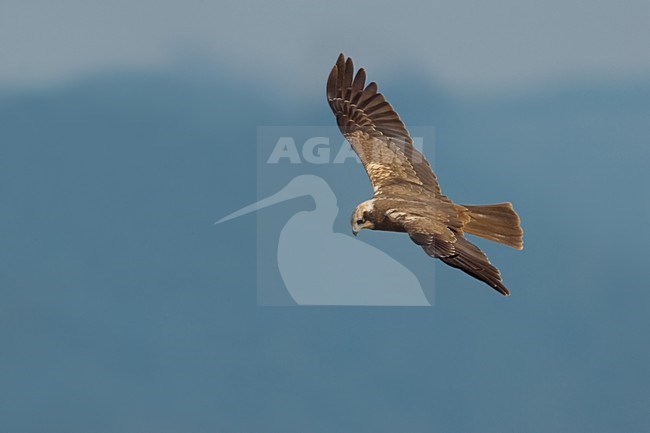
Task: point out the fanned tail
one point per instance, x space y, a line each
496 222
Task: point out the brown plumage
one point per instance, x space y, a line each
407 196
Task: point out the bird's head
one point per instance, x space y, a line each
362 217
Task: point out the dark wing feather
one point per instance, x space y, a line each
471 260
439 233
375 131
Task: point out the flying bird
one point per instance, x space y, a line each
407 197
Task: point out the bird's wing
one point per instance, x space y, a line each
441 237
427 227
471 260
375 131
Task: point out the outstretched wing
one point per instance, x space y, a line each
440 236
375 131
471 260
427 226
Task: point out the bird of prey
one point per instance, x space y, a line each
407 197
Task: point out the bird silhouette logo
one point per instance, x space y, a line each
321 267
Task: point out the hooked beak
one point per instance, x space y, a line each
355 232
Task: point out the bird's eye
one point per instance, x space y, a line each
359 221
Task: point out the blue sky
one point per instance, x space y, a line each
127 130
